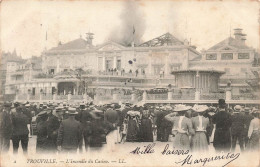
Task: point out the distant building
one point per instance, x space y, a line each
78 67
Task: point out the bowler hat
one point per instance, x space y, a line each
71 111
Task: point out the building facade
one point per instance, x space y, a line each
111 70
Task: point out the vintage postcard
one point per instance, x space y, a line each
129 83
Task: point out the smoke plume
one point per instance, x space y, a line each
132 25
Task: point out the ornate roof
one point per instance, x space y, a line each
72 45
166 39
229 42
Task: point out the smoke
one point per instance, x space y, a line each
132 25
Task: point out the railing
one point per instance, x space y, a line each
77 97
35 97
157 96
214 96
47 97
183 96
61 97
245 97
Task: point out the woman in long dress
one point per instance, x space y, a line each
146 130
253 132
182 125
199 142
132 126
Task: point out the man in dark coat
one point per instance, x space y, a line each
20 130
237 128
223 121
41 144
85 123
69 134
53 124
6 128
159 118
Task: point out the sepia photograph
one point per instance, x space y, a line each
129 83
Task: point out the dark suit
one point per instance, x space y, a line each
20 131
6 128
222 137
69 135
53 125
237 130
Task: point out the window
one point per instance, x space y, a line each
52 71
33 91
211 56
243 55
118 64
226 56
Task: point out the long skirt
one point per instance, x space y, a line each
132 131
146 131
254 141
181 141
199 142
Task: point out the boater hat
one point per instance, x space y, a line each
181 107
237 108
71 111
200 108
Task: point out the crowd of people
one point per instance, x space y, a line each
66 128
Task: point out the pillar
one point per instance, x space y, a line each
150 64
166 69
228 94
104 63
40 96
197 86
69 96
114 61
133 97
144 96
54 96
170 95
115 96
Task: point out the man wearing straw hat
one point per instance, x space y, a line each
238 124
182 125
69 134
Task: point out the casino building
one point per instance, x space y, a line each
160 69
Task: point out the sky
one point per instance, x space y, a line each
24 24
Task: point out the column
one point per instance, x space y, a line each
150 64
58 65
144 96
166 65
170 94
228 94
114 61
197 92
69 96
104 63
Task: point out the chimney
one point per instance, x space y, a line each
89 38
238 33
243 39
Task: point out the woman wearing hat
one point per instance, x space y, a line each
132 131
146 129
182 125
253 132
199 123
41 144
